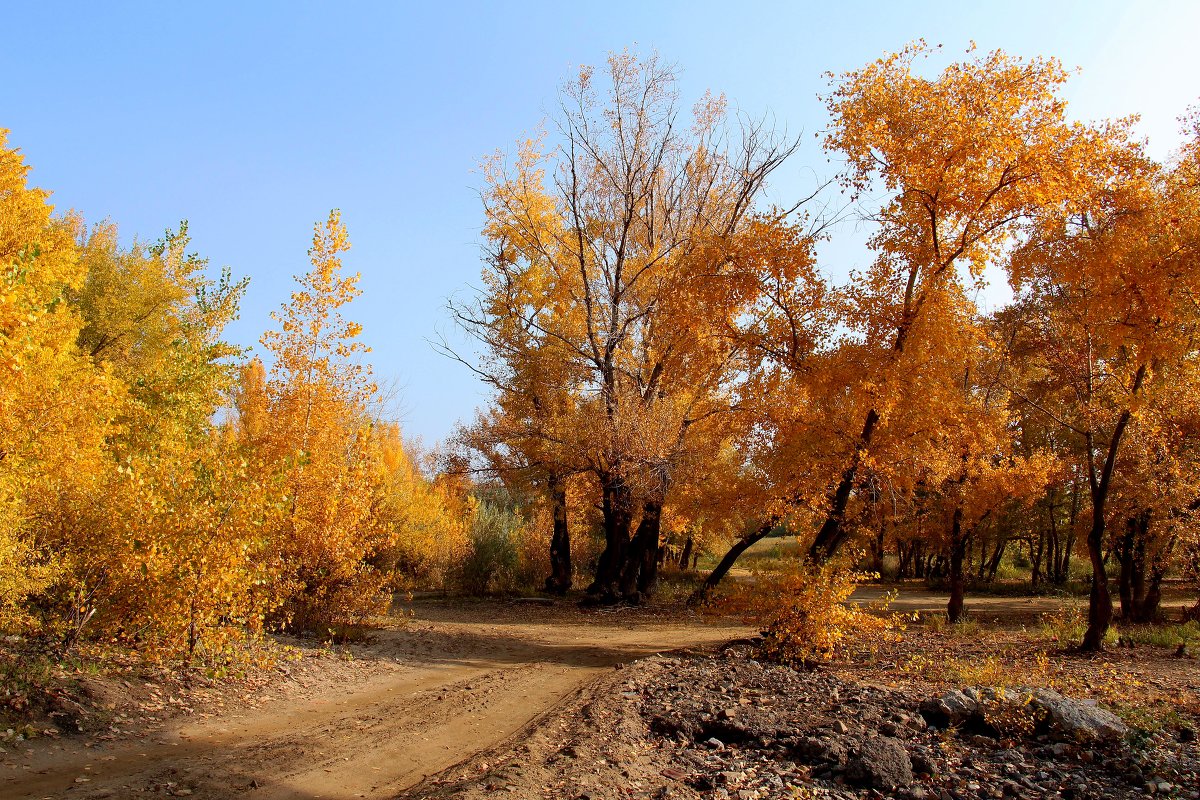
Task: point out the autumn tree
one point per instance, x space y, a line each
173 547
55 409
963 158
525 438
154 317
1108 280
618 245
316 436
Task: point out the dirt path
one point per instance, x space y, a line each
455 681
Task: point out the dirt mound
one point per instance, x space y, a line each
727 726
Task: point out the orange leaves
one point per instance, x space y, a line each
807 614
963 155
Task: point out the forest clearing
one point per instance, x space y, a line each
856 462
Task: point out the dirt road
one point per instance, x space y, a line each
456 680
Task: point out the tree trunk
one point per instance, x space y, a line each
560 541
1100 608
1126 558
739 547
1036 554
1147 592
958 551
903 556
686 555
618 514
832 534
877 548
639 577
1147 610
997 557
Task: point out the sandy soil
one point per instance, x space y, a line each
460 685
456 680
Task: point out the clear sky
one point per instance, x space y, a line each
252 120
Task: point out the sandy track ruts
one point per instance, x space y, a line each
460 680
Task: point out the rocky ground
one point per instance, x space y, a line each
725 725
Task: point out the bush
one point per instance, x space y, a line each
494 556
806 614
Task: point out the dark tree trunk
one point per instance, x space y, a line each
904 552
1052 543
1036 555
728 560
1146 572
1147 610
616 505
1127 558
639 578
994 563
686 556
958 552
832 534
560 541
1100 607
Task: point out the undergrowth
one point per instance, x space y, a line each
806 614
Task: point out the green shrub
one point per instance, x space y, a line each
494 556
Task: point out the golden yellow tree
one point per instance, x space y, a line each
616 246
55 409
317 437
1108 278
963 157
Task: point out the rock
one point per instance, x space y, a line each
952 708
880 763
922 764
730 778
820 751
1078 720
840 727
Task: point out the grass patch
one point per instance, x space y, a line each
1163 635
937 621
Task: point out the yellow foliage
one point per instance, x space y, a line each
807 616
55 409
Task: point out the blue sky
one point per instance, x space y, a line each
252 120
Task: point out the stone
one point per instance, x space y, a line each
1079 720
952 708
880 763
923 764
820 751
